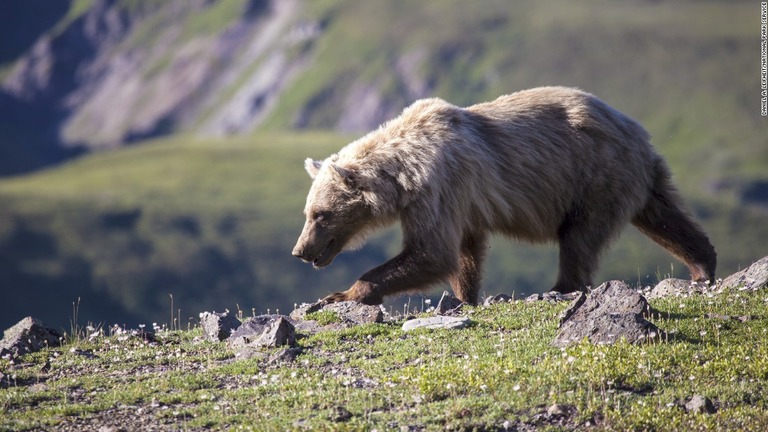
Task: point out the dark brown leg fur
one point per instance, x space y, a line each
408 271
582 237
466 281
668 224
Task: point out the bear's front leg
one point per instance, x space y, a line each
410 270
360 292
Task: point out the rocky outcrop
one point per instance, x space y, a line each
610 313
263 331
218 326
27 336
752 278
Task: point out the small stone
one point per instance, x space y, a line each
37 388
533 298
498 298
339 414
740 318
280 333
436 322
559 410
448 304
567 296
312 327
218 326
287 355
356 313
700 404
27 336
254 328
552 297
673 287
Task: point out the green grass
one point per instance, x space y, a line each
324 317
500 371
185 171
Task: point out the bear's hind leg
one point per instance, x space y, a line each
582 239
668 224
465 282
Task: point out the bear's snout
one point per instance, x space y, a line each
298 252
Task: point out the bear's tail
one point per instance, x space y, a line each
665 221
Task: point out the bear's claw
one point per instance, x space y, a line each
336 298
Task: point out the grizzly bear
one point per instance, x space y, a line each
550 164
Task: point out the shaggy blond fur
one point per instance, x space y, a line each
549 164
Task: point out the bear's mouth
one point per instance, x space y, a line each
326 257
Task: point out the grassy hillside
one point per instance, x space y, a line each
499 374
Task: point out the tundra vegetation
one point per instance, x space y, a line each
499 373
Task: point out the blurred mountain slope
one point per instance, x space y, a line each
106 73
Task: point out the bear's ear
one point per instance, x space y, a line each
349 177
312 167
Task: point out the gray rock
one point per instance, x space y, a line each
27 336
312 327
560 410
356 313
611 312
339 414
700 404
263 330
498 298
533 298
573 307
300 312
552 297
287 355
218 326
752 278
349 313
673 287
436 322
448 304
280 333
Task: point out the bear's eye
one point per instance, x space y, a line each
321 216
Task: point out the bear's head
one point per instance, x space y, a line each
338 215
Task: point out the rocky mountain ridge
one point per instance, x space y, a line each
123 71
99 74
